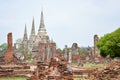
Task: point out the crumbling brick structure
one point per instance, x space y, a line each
9 56
47 51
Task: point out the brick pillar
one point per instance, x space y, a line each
96 38
9 52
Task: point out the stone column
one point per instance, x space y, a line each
53 50
96 38
43 58
15 46
70 56
65 54
48 53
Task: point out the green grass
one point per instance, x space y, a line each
80 79
14 78
90 65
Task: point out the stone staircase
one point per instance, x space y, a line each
16 70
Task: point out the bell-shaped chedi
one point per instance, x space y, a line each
9 54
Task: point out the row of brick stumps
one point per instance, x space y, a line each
54 70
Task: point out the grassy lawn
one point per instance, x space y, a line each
14 78
90 65
80 79
99 66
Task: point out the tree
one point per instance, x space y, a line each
3 48
19 45
109 44
26 53
81 51
59 50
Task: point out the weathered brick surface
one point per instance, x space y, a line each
54 70
112 72
9 52
9 56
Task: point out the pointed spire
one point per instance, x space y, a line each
32 35
42 34
33 28
25 34
25 38
42 25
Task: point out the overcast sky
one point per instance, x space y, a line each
66 21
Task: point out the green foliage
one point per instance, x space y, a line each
26 53
59 50
19 46
109 44
14 78
81 51
3 48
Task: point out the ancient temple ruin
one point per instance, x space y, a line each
39 45
47 51
72 54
